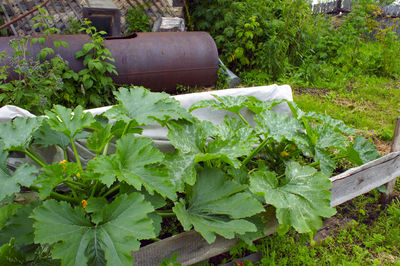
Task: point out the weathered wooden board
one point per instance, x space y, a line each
395 147
192 248
360 180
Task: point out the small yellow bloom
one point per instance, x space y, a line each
84 204
78 175
285 154
63 163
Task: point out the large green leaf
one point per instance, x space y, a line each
281 126
182 168
19 226
79 242
190 137
337 125
328 138
146 107
301 199
361 151
326 163
69 123
100 137
11 255
217 205
235 104
54 174
229 103
6 212
46 136
133 163
227 145
24 175
17 134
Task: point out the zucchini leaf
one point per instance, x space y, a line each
208 142
133 163
145 107
19 226
361 151
217 205
301 199
69 122
78 241
10 183
18 133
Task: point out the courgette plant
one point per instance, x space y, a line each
218 180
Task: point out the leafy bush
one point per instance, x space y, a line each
270 36
97 211
137 20
275 40
45 79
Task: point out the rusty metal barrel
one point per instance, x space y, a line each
155 60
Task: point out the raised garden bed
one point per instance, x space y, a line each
192 248
108 205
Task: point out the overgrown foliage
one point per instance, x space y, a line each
278 40
217 181
45 79
137 20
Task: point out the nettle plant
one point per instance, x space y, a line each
38 78
218 181
98 61
46 78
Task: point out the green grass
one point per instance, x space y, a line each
370 105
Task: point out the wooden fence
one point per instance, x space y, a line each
21 12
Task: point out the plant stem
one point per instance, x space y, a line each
243 119
125 129
105 151
255 151
76 154
166 214
76 183
63 197
111 190
74 187
34 157
58 196
94 189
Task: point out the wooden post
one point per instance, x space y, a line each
395 147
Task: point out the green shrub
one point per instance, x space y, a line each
137 20
281 40
45 79
271 36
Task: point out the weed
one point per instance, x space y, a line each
137 20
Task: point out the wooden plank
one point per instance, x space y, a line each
192 248
395 147
360 180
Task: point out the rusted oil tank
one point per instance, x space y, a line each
156 60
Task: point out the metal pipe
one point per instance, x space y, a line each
156 60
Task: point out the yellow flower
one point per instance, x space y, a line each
78 175
285 154
84 204
63 163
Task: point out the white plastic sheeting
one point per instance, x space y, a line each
156 132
